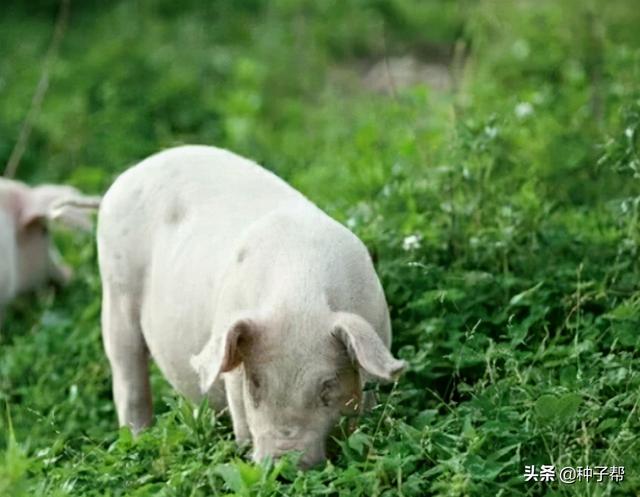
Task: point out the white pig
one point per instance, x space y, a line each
241 290
28 258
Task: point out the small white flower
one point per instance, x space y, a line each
352 223
491 132
629 133
523 109
43 452
411 242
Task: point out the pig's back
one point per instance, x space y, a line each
194 182
195 195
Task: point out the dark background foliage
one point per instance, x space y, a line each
486 152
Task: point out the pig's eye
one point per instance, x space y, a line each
328 392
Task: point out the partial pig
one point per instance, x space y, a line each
28 258
243 291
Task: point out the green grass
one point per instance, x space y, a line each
518 309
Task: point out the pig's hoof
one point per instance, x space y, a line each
243 443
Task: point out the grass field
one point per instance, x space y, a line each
485 151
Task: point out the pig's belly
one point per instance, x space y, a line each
177 315
171 345
171 348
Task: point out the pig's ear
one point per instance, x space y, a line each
366 348
34 204
74 211
56 203
223 353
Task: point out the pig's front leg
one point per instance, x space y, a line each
128 357
235 399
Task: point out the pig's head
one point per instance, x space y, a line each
30 210
297 384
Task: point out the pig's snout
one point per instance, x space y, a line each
312 453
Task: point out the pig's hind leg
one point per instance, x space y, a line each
128 356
